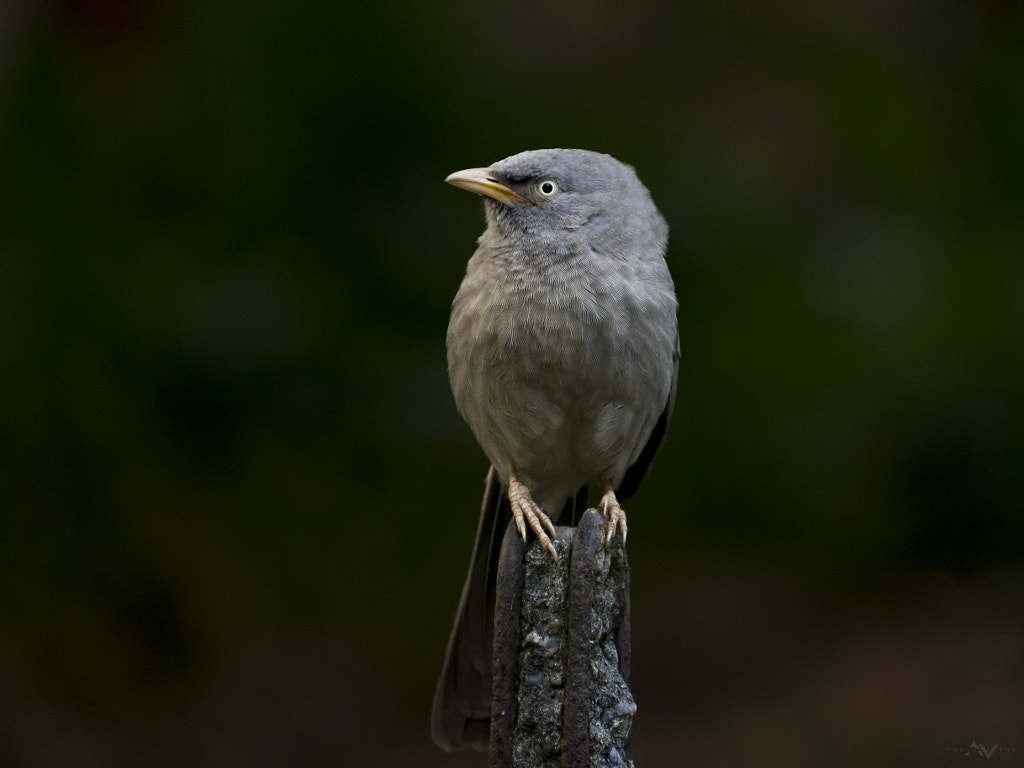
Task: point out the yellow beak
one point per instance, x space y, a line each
479 181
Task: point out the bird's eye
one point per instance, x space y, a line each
547 188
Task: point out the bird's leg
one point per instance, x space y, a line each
526 510
613 511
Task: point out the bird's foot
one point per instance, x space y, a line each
616 516
526 510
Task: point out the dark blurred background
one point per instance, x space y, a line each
238 502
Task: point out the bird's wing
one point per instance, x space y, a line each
638 471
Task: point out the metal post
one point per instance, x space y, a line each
561 652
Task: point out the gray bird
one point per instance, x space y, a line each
563 355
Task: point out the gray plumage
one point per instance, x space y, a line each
562 356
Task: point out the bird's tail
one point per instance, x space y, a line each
461 715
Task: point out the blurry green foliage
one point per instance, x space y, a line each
226 258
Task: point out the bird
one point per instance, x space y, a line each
563 359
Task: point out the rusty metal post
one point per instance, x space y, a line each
504 663
561 653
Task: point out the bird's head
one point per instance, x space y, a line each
561 202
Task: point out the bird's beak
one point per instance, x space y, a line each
479 180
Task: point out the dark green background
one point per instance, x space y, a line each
237 500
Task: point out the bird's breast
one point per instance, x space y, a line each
564 370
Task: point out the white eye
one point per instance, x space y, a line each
547 188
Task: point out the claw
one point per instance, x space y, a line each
616 516
526 510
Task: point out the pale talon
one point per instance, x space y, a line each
616 516
526 510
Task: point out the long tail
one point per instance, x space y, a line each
461 715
